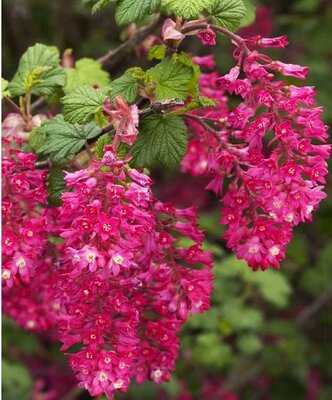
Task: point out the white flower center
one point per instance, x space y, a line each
90 257
20 263
6 274
103 377
117 259
274 250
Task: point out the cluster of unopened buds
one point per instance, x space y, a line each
119 283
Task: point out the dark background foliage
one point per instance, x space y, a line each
268 335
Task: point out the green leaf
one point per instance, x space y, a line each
5 92
55 186
81 105
161 138
186 60
101 143
173 79
249 343
133 10
101 4
39 71
36 139
186 8
227 13
62 140
86 72
126 87
157 52
250 15
17 382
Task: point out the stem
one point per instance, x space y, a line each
225 32
27 101
87 148
14 106
114 56
202 123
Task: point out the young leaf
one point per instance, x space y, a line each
39 71
227 13
133 10
157 52
186 8
173 79
86 72
161 138
101 143
126 87
5 92
55 186
62 140
185 59
83 103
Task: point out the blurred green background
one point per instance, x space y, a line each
268 335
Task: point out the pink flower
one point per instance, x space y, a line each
289 69
125 120
170 31
207 37
280 41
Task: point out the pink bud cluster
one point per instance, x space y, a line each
126 283
266 156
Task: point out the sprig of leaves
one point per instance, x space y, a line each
39 72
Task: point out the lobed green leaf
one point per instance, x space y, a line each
161 138
83 103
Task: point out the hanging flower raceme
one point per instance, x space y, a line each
125 283
269 150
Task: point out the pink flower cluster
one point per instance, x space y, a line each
125 282
266 156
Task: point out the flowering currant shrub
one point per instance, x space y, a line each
91 257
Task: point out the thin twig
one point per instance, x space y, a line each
13 105
114 56
41 102
202 123
225 32
156 108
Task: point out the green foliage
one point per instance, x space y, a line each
16 380
86 72
250 15
186 60
39 72
249 344
101 143
55 186
210 351
227 13
186 8
83 103
5 92
126 86
173 79
157 52
101 4
161 138
60 140
129 11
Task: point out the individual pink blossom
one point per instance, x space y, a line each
125 120
207 37
170 31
